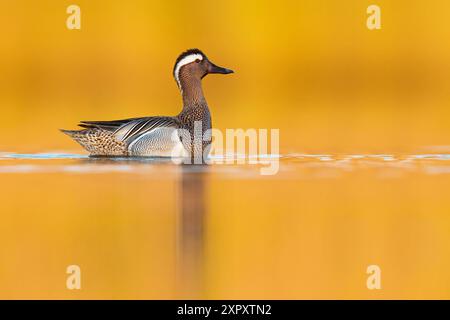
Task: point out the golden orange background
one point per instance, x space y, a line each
310 68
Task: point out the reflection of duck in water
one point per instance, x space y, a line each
191 230
153 136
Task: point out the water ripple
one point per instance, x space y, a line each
298 165
41 156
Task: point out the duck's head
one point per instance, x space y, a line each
194 64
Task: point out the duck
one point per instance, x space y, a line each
159 136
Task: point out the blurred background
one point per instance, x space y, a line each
310 68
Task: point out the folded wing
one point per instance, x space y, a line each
128 130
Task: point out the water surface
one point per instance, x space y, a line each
147 228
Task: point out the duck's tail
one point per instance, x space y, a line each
97 141
71 133
80 136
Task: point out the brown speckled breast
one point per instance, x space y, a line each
188 117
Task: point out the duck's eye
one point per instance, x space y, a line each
197 60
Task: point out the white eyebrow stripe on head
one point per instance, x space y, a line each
186 60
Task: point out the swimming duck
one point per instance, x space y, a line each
159 136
